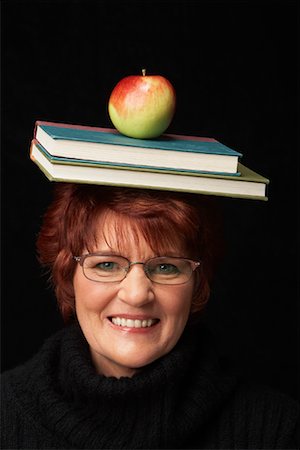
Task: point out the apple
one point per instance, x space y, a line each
142 106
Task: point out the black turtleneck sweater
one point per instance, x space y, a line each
183 400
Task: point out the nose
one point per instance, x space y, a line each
136 289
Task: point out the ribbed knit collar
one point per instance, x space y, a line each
160 407
80 380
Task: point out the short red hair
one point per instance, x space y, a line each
164 218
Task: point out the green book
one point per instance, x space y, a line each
248 185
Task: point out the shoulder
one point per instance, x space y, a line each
41 361
269 415
20 384
21 390
254 397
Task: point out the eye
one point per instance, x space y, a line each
107 266
165 269
104 264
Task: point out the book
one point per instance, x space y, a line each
248 185
106 145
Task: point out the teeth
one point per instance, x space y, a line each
130 323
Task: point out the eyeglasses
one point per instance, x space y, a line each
114 268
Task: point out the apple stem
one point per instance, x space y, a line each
144 72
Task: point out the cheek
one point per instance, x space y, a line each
89 296
179 301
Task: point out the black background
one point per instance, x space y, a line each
233 65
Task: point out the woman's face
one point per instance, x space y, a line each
121 350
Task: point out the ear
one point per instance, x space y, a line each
201 291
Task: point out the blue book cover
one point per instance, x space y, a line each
169 142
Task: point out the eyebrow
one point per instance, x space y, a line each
108 253
116 253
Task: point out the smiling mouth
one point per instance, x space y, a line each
133 323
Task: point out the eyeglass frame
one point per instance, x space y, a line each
82 258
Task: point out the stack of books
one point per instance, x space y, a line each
83 154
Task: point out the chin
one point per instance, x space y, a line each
140 359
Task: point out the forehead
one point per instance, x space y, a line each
123 234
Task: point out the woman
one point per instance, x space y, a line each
134 367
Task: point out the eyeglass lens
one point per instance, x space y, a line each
164 270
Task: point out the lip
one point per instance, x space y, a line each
133 329
133 316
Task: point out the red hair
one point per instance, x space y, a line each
164 218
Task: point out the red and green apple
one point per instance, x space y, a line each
142 106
